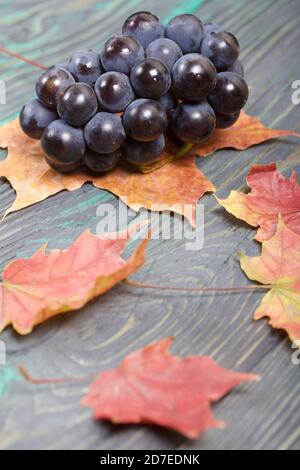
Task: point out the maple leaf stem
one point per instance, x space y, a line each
23 371
184 150
196 289
22 58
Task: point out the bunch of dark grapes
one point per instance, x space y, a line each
184 80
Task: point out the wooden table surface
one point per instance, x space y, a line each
259 416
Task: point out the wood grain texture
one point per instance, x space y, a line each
259 416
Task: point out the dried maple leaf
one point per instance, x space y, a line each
45 285
175 187
271 195
278 267
245 133
152 386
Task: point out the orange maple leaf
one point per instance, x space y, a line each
278 267
45 285
176 187
271 195
246 132
152 386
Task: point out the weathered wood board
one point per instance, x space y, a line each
259 416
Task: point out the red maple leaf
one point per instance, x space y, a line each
278 267
152 386
47 284
271 195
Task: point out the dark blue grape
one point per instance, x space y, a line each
237 67
172 138
77 104
145 120
143 26
168 102
121 53
52 83
104 133
230 95
194 76
150 78
99 163
35 117
64 146
144 153
85 66
165 50
193 123
114 92
226 120
222 48
187 31
63 168
211 28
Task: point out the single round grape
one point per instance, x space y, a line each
172 138
104 133
77 104
187 31
211 28
114 92
35 117
145 120
52 83
226 120
237 67
193 122
165 50
168 102
100 163
121 53
143 26
63 168
150 78
222 48
144 153
85 66
230 95
194 77
64 145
